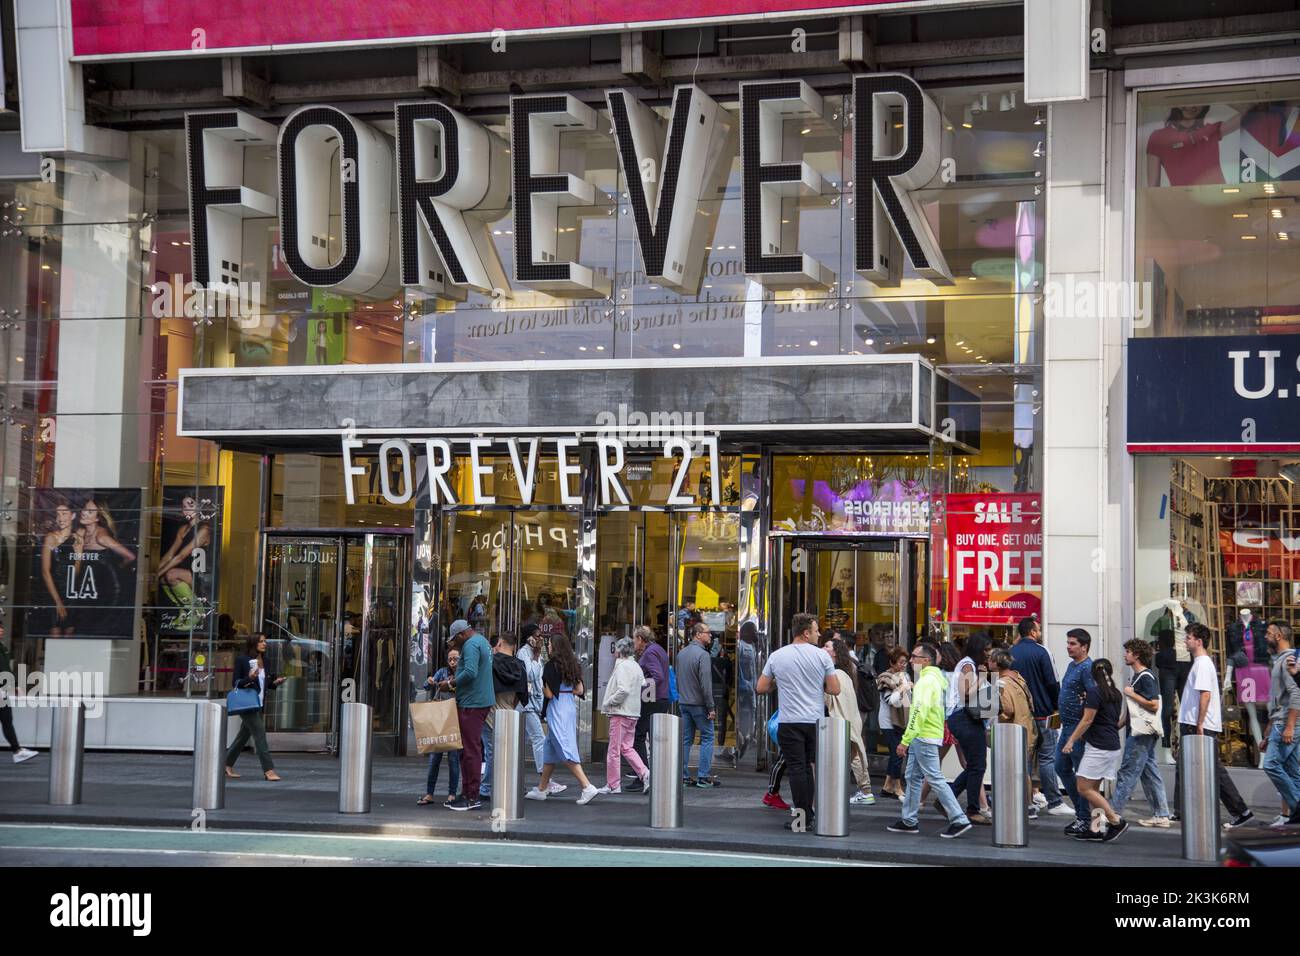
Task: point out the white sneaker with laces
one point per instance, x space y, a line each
588 794
860 799
534 794
25 754
605 791
1161 822
1062 809
553 787
1040 801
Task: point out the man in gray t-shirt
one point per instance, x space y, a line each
801 673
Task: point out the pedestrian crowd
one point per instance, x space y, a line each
1091 736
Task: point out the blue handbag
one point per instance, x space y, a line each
773 723
241 700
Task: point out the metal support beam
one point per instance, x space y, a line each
639 61
240 83
857 48
436 72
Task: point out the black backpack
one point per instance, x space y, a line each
868 692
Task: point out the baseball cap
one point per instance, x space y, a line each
456 628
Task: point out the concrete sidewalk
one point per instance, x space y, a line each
153 790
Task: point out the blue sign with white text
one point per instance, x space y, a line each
1214 393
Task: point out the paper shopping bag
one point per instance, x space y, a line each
437 728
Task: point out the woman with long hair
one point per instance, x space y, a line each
175 572
99 581
562 685
895 701
967 724
251 673
60 552
1103 711
1186 148
845 705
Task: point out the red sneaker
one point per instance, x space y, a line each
774 801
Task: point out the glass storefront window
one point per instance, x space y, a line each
1218 210
1216 544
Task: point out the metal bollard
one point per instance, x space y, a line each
1200 798
665 771
1010 785
67 750
209 756
355 752
507 765
831 802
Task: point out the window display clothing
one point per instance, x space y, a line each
1246 643
1189 157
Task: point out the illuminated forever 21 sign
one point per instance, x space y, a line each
449 177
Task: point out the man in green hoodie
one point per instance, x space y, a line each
922 740
475 695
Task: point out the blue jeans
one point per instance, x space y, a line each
1282 764
453 766
893 737
1140 764
922 766
485 788
693 718
1066 767
1044 755
536 737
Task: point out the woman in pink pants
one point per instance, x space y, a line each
622 705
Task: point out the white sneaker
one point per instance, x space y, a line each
1040 801
588 795
605 791
25 754
534 794
645 781
860 799
1062 809
1161 822
1279 822
553 787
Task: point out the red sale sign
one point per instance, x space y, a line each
994 557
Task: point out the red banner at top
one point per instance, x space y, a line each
124 28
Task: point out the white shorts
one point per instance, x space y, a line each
1100 764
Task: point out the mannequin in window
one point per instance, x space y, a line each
1186 148
1173 662
836 616
1248 664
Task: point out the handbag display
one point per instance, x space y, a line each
242 700
437 726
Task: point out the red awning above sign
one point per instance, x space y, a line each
139 28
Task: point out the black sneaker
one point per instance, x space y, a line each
1114 830
705 783
636 786
955 830
1241 820
630 776
461 803
474 804
1076 828
1087 836
903 826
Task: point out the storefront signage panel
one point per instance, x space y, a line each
874 398
994 557
453 177
138 28
1235 394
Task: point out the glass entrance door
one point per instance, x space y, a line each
332 613
873 589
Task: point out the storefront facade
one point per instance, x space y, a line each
803 357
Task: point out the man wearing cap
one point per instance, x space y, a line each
475 695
